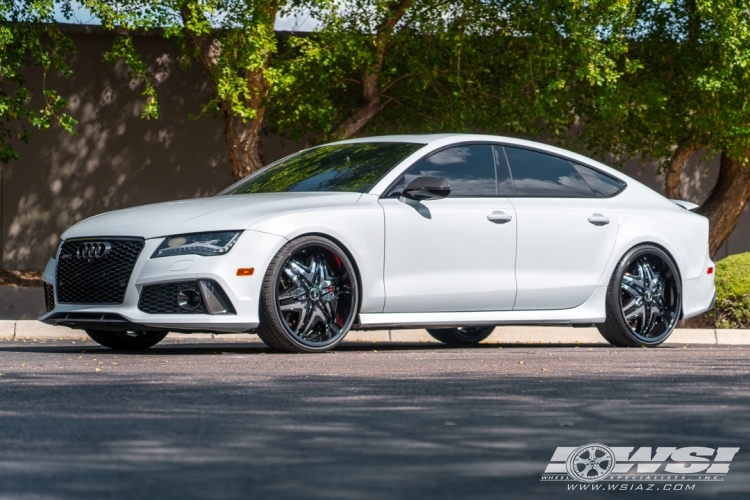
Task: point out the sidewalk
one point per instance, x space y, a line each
31 330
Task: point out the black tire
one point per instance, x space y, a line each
467 335
126 340
318 310
644 299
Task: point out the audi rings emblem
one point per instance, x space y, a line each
93 250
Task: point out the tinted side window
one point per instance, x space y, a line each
539 174
470 171
601 184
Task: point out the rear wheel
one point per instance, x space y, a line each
465 335
126 340
309 298
644 299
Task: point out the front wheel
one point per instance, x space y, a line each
126 340
644 299
466 335
309 297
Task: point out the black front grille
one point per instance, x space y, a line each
96 280
49 296
162 298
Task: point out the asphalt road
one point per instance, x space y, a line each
225 420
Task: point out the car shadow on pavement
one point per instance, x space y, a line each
214 347
420 421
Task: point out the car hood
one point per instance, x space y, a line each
204 214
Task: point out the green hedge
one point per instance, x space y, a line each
732 309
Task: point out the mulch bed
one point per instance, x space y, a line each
14 277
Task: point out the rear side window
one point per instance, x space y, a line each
542 175
601 184
470 171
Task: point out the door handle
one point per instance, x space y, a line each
499 217
599 220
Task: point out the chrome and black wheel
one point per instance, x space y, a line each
467 335
126 340
643 299
309 298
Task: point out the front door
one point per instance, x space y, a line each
457 253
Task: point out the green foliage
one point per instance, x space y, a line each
29 37
732 309
499 66
233 39
124 49
688 83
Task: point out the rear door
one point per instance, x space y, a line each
457 253
566 229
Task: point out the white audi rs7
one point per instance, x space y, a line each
454 233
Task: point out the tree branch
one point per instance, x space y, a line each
372 102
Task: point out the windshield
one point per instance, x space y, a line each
352 167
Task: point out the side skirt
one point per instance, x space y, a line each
591 311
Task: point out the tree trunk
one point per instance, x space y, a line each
676 165
371 105
241 136
372 102
243 141
726 202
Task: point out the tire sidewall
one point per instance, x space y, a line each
271 291
614 292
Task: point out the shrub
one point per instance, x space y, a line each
732 309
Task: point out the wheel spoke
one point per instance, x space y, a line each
295 294
299 274
636 310
293 307
632 282
312 319
334 328
295 272
632 291
648 273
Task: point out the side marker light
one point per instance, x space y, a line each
710 270
245 271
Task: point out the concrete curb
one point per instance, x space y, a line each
35 330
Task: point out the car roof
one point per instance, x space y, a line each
414 138
448 139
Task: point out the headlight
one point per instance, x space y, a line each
206 244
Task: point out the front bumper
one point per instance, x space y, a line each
253 249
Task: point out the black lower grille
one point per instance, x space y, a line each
162 298
98 279
49 296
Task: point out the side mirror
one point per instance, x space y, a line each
425 188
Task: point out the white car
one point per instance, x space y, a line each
455 233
